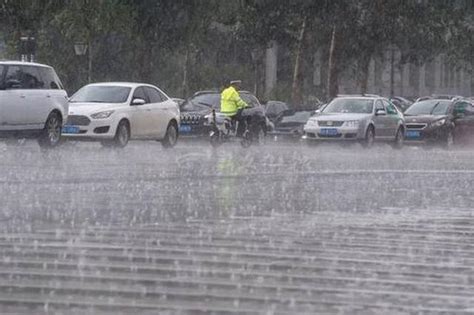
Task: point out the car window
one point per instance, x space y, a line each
50 79
154 95
390 108
28 77
379 105
164 98
140 93
465 108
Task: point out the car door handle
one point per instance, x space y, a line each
48 96
22 96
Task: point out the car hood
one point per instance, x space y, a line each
340 117
423 118
91 108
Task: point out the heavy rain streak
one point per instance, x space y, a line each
236 157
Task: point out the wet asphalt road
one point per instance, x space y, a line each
276 229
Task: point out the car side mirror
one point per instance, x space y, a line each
138 102
380 112
12 84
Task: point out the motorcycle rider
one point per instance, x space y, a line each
232 104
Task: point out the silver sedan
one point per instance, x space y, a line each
357 118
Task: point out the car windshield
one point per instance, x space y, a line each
296 117
209 99
428 107
345 105
101 94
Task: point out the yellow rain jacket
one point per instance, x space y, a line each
231 101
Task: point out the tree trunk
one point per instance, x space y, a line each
184 84
364 73
296 95
271 68
333 87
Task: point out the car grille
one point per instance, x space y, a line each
329 136
330 123
416 126
191 119
76 120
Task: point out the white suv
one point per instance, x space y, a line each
33 102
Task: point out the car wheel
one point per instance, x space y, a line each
122 135
369 137
171 137
51 134
399 139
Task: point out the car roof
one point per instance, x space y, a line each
124 84
360 97
437 100
22 63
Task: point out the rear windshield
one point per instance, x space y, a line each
428 107
101 94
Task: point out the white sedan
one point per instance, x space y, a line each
114 113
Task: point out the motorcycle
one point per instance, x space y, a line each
223 129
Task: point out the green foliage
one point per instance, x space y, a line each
186 45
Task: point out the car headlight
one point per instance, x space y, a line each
438 123
102 115
311 123
352 124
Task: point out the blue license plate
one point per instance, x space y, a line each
185 128
411 134
70 129
329 132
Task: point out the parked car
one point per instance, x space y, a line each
440 121
33 102
114 113
290 124
402 103
357 118
274 108
196 109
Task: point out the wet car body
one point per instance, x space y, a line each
357 118
446 122
289 125
195 112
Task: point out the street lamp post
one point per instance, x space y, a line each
81 48
27 48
